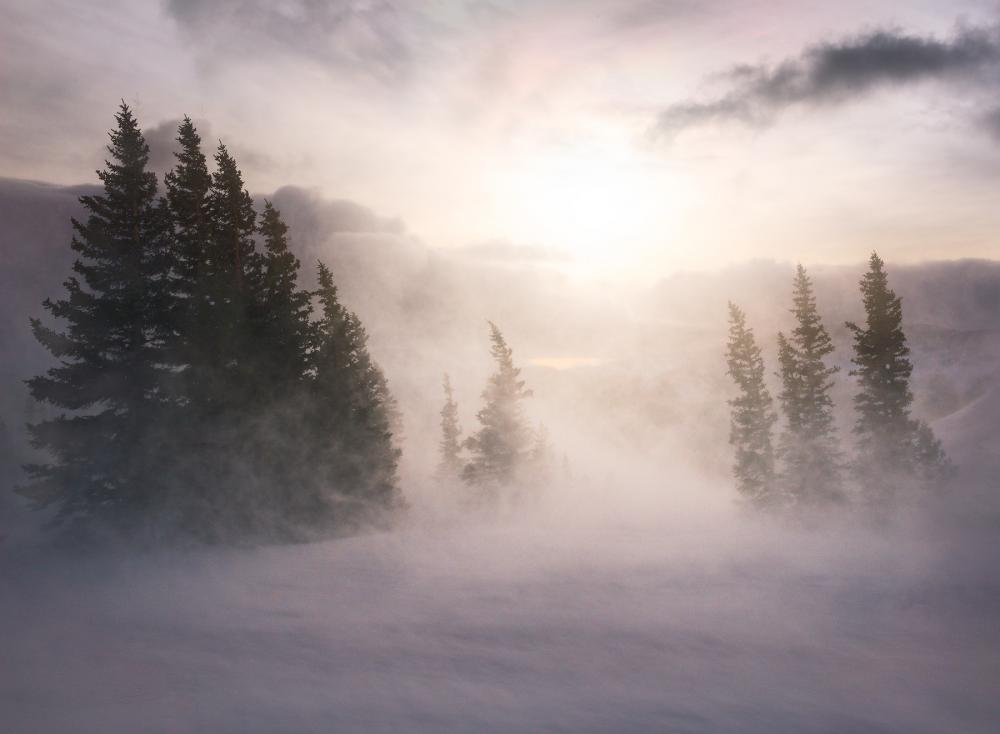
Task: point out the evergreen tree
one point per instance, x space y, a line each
284 329
500 446
808 445
752 415
187 188
350 427
236 273
201 396
450 465
220 276
112 359
195 475
893 448
281 334
221 489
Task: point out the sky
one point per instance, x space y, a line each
628 137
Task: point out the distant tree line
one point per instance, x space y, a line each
806 467
505 454
199 388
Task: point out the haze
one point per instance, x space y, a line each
594 181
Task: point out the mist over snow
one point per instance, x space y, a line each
632 594
675 623
499 366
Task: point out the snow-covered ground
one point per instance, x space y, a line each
694 624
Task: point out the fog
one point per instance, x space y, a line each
631 593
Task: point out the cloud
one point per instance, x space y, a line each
991 122
162 142
831 73
379 38
498 251
645 13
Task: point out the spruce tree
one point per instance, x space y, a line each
278 322
105 451
752 415
808 445
350 424
450 465
220 276
187 188
284 328
220 483
236 272
195 475
893 449
499 448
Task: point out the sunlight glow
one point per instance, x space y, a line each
564 363
597 205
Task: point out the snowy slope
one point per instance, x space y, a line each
526 627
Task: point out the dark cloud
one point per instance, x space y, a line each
162 142
831 73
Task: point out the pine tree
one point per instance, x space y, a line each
450 465
219 477
279 328
112 358
284 329
499 448
220 276
187 188
808 445
200 395
236 271
893 448
233 223
752 415
350 427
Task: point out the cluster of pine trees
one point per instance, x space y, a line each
506 451
199 389
806 467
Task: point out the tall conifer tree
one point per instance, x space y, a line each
350 426
893 448
284 328
752 415
187 186
500 446
112 359
236 269
808 445
200 395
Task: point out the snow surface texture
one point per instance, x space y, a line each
610 625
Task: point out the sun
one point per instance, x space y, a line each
600 206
